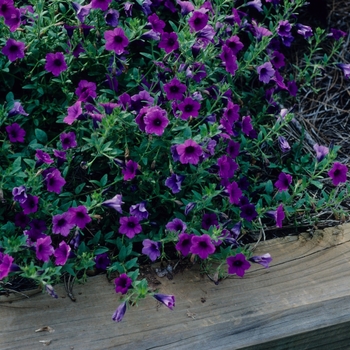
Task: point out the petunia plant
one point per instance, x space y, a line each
151 131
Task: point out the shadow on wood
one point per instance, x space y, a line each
301 302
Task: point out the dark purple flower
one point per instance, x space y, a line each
229 60
78 50
122 283
303 30
345 68
184 244
79 216
129 226
256 4
284 28
39 225
150 35
100 4
17 109
174 182
176 225
283 182
13 49
321 151
62 253
283 144
202 246
5 265
233 149
278 215
293 88
6 8
169 42
140 100
50 291
277 60
15 133
338 173
44 248
155 120
115 203
151 248
174 89
248 212
260 31
21 220
206 35
116 40
102 261
189 152
209 220
82 11
263 260
128 9
237 264
337 34
190 206
186 7
43 157
13 19
156 23
167 300
109 107
120 312
198 20
68 140
130 170
55 63
111 17
234 44
189 108
54 181
197 72
266 72
234 192
30 205
19 194
61 223
247 125
227 167
74 112
85 90
139 210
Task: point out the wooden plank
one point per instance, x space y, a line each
301 302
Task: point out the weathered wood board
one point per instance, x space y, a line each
301 302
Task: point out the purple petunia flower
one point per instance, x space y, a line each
30 205
115 203
6 8
53 180
5 265
277 60
209 220
229 60
79 216
13 19
140 100
202 246
43 157
247 126
345 68
266 72
100 4
174 89
234 44
321 151
196 71
19 194
128 9
284 28
61 223
338 173
189 207
111 17
62 253
167 300
122 283
82 11
248 212
139 210
129 226
74 112
184 244
130 170
283 144
263 260
303 30
233 149
116 40
15 133
186 7
189 152
156 23
237 264
292 88
227 167
85 90
120 312
21 220
44 248
13 49
283 182
55 63
198 20
51 291
189 108
256 4
169 42
278 215
174 182
102 261
68 140
17 109
337 34
176 225
234 192
151 248
155 120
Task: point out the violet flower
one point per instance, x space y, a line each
100 4
13 49
198 20
167 300
233 149
248 212
156 23
53 180
174 182
74 112
19 194
44 248
151 249
234 192
21 220
338 173
237 264
169 42
263 260
62 253
130 170
283 144
116 40
208 220
13 20
85 90
202 246
122 283
111 17
283 182
186 7
303 30
284 28
337 34
189 207
139 210
6 8
266 72
229 60
129 226
68 140
176 225
278 215
30 205
115 203
119 312
155 121
43 157
61 224
17 109
174 89
189 108
51 291
189 152
79 216
5 265
321 151
55 63
227 167
102 261
184 244
345 68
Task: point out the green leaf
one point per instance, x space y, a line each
79 188
131 263
41 136
104 180
101 250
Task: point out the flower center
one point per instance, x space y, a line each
188 108
131 224
13 48
203 245
174 89
57 62
118 39
197 21
336 173
171 42
190 150
61 222
157 122
238 263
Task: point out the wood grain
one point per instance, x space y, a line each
301 302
